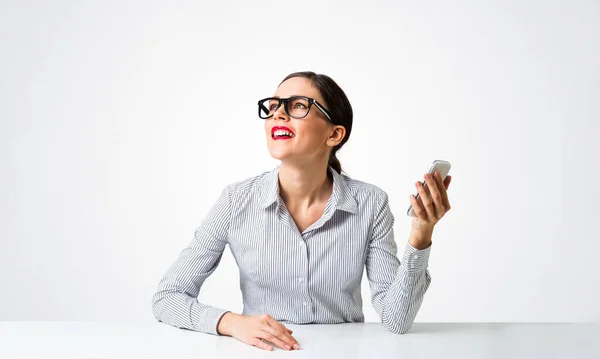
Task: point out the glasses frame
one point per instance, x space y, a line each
284 101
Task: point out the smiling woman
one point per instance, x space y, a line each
303 232
334 115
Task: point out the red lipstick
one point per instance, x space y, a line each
283 128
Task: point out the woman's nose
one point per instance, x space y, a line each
280 114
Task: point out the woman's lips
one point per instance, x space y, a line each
283 128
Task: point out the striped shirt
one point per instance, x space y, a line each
299 278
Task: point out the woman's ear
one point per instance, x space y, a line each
337 135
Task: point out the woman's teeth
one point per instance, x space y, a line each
279 133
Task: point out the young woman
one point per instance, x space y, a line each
302 233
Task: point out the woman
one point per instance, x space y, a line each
302 233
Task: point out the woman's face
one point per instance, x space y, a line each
313 135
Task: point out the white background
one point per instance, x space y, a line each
121 122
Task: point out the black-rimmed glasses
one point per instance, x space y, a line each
295 107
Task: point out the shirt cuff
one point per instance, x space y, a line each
207 319
415 260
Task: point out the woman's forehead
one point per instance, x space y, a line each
298 86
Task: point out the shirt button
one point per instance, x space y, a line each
300 280
305 304
301 244
416 256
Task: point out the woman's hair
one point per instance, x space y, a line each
336 102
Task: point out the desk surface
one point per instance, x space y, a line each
109 340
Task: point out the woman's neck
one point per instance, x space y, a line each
302 186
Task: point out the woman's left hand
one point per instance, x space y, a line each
432 203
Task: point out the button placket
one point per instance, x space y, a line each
303 277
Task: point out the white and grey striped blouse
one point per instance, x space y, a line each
308 277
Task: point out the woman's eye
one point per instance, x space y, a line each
299 105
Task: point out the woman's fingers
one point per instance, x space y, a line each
264 332
272 322
417 207
280 332
441 187
257 342
445 186
274 337
433 196
427 202
447 181
436 196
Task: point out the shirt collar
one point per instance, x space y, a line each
341 196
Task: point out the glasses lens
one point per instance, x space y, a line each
297 106
267 107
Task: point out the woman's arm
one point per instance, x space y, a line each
175 301
397 288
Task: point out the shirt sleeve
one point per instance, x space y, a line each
175 301
397 288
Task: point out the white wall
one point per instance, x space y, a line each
121 122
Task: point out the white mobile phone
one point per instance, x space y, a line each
437 165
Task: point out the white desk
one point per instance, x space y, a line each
110 340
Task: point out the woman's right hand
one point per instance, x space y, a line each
253 329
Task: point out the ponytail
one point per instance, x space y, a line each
334 162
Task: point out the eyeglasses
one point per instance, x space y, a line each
295 107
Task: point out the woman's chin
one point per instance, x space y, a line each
279 153
280 156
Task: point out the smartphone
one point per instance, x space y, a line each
437 165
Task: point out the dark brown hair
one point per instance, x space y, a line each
336 102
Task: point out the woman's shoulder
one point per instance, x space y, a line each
252 184
371 199
362 188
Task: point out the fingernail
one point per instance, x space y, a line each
288 347
296 346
